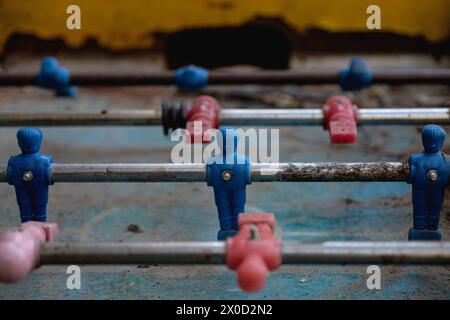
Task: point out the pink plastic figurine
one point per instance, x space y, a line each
204 109
340 119
254 251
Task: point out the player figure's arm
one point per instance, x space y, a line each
412 168
9 170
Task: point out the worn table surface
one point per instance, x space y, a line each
183 211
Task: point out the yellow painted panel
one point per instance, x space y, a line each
129 24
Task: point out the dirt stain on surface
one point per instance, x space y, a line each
134 228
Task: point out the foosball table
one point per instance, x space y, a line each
354 186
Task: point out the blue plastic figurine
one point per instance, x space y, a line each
30 173
229 174
191 78
357 76
429 176
52 76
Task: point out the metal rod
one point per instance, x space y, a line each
257 117
389 76
366 252
392 116
347 252
134 253
85 118
128 172
330 172
259 172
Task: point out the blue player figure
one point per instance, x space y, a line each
429 176
30 173
229 174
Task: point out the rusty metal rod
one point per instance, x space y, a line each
212 252
340 252
259 117
259 172
387 76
